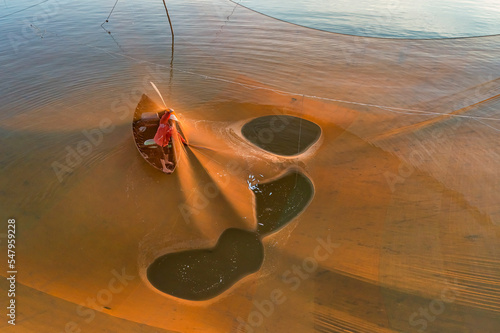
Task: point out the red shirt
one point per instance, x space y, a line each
164 132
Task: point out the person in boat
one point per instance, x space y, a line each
164 132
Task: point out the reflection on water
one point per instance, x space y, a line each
281 134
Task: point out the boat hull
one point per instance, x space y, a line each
145 124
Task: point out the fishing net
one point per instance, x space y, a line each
401 234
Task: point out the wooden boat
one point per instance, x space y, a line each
147 117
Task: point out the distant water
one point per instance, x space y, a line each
282 135
388 18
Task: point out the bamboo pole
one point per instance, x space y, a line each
170 22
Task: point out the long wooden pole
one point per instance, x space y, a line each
170 22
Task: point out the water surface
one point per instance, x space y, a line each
406 178
282 134
201 274
388 18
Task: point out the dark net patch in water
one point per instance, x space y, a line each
205 273
281 200
281 134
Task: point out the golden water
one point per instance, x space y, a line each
405 216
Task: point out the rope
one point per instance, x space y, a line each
107 19
111 12
300 129
227 20
298 144
22 10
